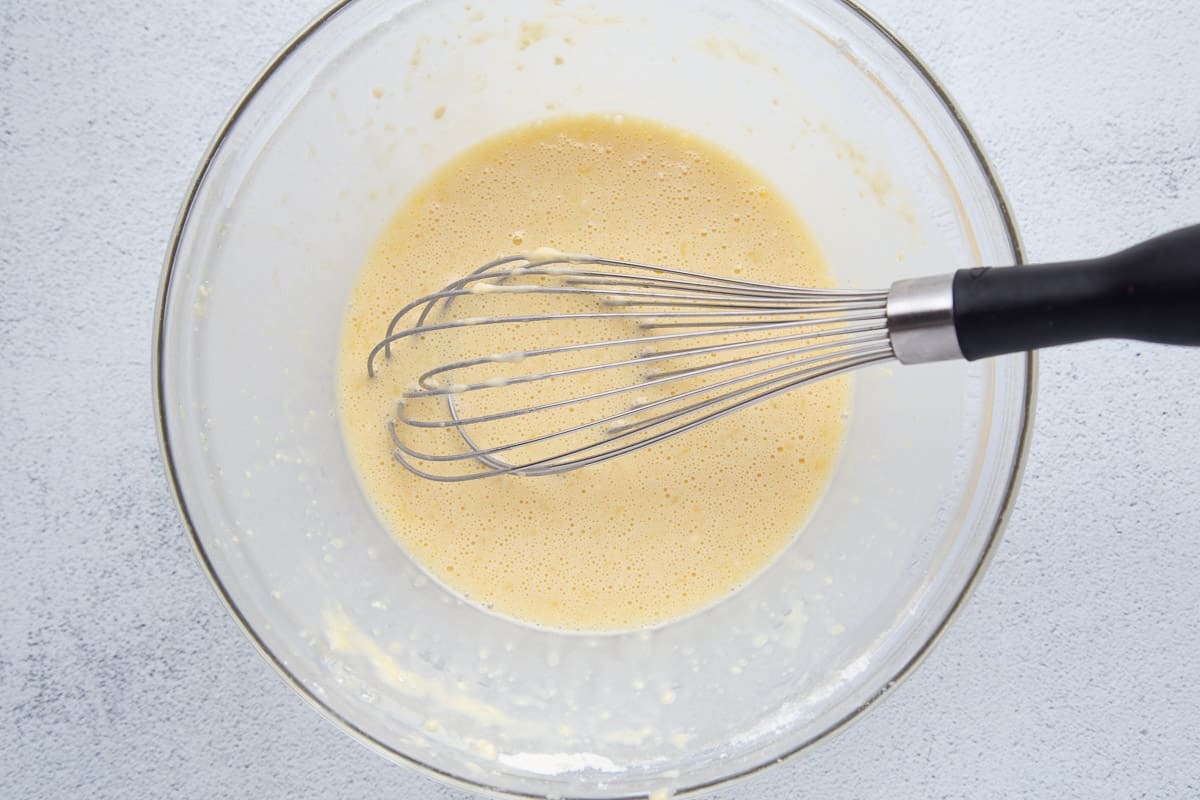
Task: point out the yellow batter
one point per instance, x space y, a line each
646 537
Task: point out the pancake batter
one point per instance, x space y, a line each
646 537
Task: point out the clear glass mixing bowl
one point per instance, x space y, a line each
326 145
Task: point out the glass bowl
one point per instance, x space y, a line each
348 119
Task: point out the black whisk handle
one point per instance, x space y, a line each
1149 292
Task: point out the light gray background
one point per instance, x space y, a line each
1072 673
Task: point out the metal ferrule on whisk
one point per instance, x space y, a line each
920 320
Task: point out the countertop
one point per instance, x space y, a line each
1072 672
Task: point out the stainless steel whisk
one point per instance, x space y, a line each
699 347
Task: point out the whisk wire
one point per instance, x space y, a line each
872 348
429 388
574 458
815 333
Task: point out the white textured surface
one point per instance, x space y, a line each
1072 672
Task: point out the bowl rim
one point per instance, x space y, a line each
1004 512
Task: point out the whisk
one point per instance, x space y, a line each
586 359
